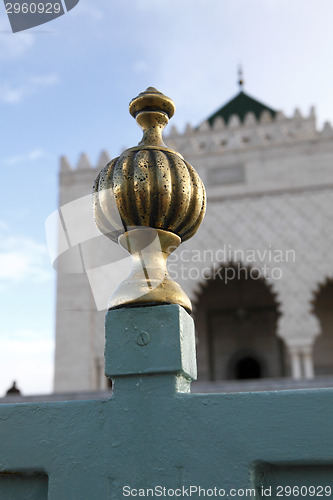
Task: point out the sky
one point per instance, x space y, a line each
65 88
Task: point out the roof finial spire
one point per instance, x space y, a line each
240 77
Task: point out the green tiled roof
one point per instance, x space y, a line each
240 105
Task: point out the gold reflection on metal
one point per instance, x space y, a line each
149 282
149 186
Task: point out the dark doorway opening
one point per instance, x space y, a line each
236 323
323 347
247 368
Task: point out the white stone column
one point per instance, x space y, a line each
308 368
299 329
296 363
301 361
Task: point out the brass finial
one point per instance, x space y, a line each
149 200
152 111
240 77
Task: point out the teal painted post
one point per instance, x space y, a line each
153 433
150 347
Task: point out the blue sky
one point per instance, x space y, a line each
65 88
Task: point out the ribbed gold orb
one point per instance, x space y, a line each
149 185
152 185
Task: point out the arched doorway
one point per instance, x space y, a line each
323 347
247 367
236 329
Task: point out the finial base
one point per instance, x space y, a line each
145 341
149 282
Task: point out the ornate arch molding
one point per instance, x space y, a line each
198 286
299 325
299 329
320 284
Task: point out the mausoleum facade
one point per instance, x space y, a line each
259 272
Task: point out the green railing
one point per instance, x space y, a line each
154 438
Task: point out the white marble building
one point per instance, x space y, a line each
269 222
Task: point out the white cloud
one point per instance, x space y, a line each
15 93
90 11
45 80
23 258
3 225
26 357
13 46
34 154
10 95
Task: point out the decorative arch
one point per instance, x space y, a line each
233 316
322 306
323 276
197 287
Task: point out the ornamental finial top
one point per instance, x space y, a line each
149 200
152 111
240 77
